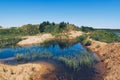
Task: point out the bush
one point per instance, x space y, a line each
86 29
82 38
87 43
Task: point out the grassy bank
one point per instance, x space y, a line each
9 42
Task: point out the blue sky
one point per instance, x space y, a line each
94 13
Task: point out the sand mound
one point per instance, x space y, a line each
28 71
31 40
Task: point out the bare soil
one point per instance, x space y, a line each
110 56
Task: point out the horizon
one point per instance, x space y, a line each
92 13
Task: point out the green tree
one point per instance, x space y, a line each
42 25
86 29
62 25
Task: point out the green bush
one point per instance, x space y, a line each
82 38
87 43
86 29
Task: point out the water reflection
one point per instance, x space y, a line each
54 49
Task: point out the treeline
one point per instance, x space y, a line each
48 27
44 27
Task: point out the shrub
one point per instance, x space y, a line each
87 43
82 38
19 57
86 29
97 46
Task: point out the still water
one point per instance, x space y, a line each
54 49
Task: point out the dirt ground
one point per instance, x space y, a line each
110 55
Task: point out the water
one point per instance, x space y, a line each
118 33
54 49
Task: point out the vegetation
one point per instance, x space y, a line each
10 36
10 42
105 36
28 29
62 43
73 61
54 28
86 29
83 39
77 61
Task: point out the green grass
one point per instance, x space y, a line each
105 36
74 61
9 42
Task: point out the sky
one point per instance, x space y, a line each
93 13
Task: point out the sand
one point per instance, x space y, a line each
28 71
31 40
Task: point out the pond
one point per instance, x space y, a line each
74 57
118 33
54 49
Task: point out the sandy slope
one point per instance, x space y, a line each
31 40
110 55
28 71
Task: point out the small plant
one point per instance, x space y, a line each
33 69
87 43
19 57
4 70
82 38
30 78
98 46
12 72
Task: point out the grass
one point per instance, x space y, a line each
72 60
105 36
9 42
